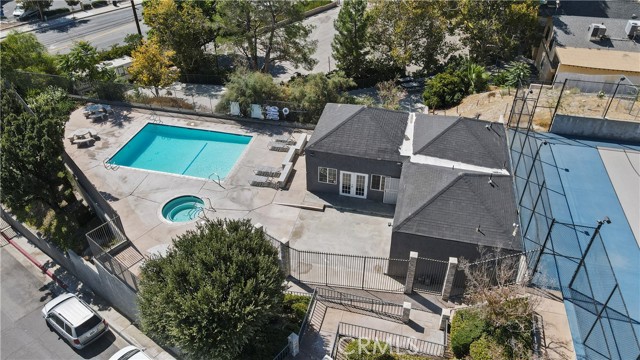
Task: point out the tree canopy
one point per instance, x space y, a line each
350 42
496 30
249 87
31 157
266 32
408 32
312 92
23 51
217 287
152 66
82 64
181 27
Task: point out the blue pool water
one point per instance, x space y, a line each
182 151
183 208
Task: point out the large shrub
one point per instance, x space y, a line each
466 327
312 92
249 88
214 292
443 91
486 348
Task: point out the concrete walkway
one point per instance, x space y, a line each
117 323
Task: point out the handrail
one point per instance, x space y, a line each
108 165
219 182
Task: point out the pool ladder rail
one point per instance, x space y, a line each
201 212
219 182
154 118
110 166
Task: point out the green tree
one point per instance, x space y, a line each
517 73
184 29
390 94
443 91
40 5
266 32
152 66
72 3
408 32
249 87
474 76
31 157
216 288
312 92
82 64
350 42
497 30
23 51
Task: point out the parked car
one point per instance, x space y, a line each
21 13
130 353
74 320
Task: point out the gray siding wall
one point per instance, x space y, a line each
316 159
432 248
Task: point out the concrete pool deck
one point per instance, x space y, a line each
138 195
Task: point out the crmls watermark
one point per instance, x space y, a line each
366 346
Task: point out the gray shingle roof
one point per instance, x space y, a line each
444 203
571 31
461 139
615 9
370 133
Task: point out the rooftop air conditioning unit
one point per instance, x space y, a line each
596 32
632 28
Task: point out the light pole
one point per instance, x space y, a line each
135 16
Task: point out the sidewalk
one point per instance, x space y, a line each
118 323
74 16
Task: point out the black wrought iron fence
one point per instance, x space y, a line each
349 271
397 343
375 306
430 275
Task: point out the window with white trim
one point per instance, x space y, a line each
327 175
377 182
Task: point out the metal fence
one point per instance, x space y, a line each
375 306
349 271
115 252
573 258
397 343
430 275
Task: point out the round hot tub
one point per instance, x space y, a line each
183 208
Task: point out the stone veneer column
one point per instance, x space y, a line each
406 312
411 272
448 280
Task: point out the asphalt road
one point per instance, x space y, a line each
24 334
101 31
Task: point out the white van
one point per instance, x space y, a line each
21 13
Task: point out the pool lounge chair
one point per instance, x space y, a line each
285 138
278 146
263 181
268 171
234 108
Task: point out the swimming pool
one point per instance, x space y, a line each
182 151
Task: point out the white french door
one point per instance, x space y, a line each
391 186
353 184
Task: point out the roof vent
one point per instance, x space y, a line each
596 32
632 28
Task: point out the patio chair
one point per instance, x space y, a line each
285 138
234 108
263 181
268 171
278 146
256 111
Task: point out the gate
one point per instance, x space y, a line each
348 271
430 275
